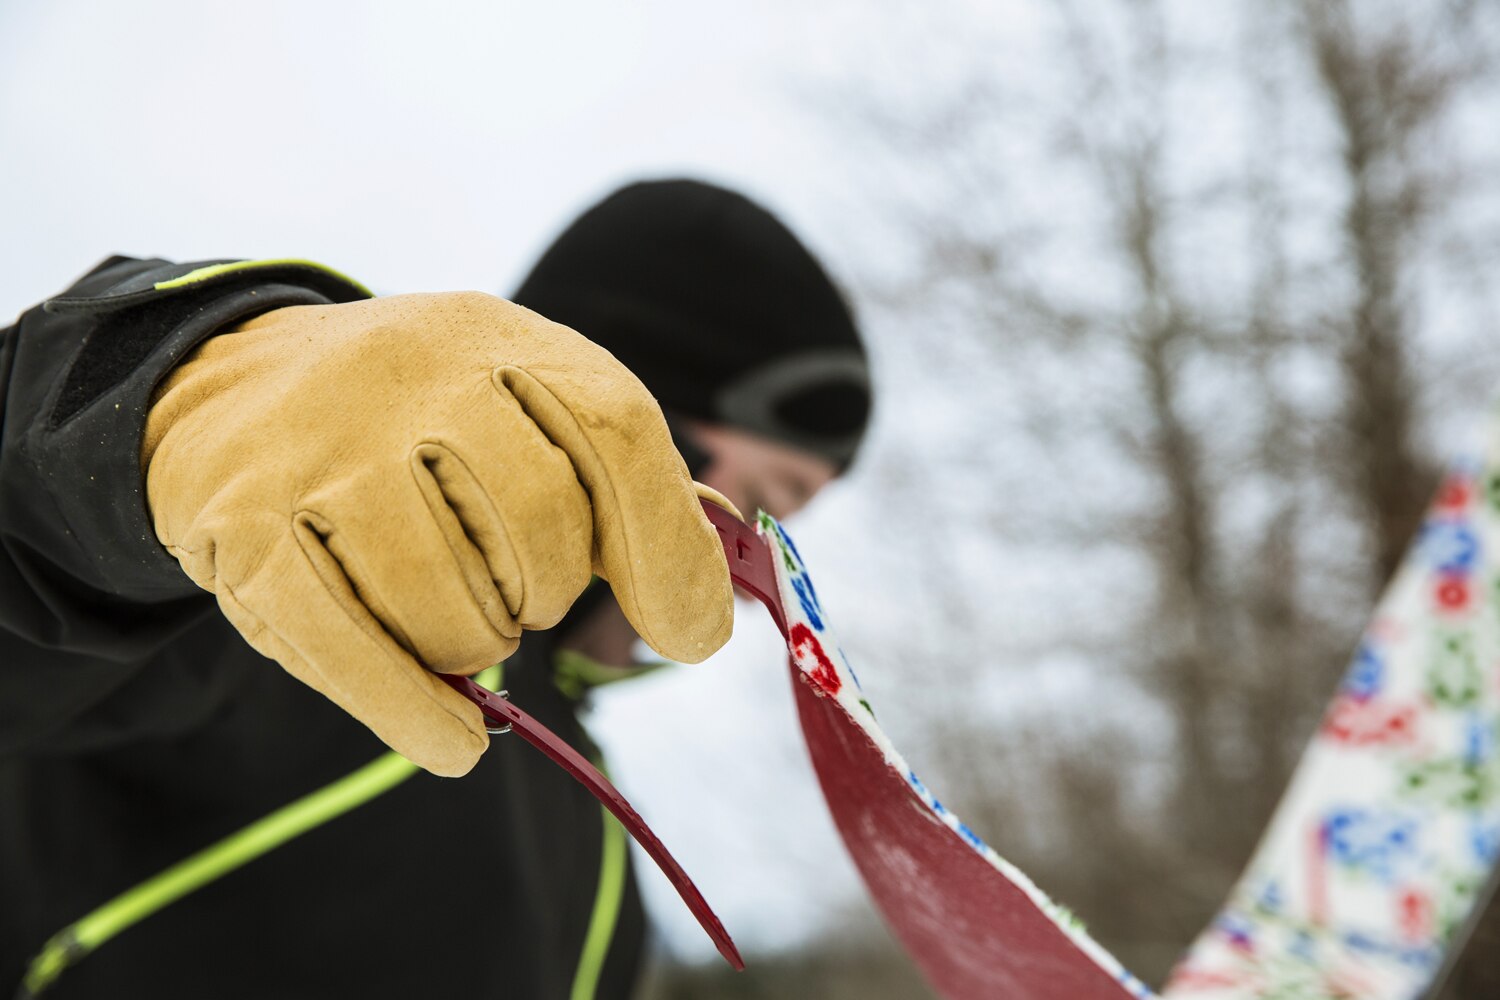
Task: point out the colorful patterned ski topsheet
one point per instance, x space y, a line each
1388 835
1374 861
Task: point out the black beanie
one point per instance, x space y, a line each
716 307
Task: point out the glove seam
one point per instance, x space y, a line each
136 550
498 376
323 528
414 459
364 617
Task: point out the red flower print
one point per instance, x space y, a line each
1414 913
823 674
1452 592
1357 723
1453 494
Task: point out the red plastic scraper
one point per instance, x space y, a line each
751 571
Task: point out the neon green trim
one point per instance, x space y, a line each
214 270
606 913
82 937
573 673
491 678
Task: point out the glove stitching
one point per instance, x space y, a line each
376 627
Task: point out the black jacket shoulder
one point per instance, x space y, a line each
87 594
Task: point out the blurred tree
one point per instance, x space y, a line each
1196 252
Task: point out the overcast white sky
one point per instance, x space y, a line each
418 147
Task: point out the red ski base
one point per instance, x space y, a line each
974 933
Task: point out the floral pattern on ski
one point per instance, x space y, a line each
1387 836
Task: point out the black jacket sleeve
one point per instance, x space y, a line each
88 598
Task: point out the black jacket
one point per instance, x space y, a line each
137 727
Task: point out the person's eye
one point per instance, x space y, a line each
799 489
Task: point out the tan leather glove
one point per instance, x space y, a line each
379 486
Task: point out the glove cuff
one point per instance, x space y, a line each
83 444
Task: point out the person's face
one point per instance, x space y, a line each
756 472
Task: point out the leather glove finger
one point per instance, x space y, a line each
286 609
652 541
458 552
